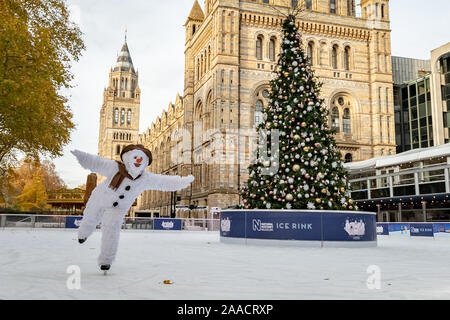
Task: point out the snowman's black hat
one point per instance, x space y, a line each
137 147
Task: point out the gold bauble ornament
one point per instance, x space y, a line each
296 168
324 191
303 124
350 201
318 200
306 149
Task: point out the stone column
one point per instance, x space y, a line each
399 214
424 210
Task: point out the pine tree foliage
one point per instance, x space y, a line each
310 169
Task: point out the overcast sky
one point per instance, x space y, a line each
156 41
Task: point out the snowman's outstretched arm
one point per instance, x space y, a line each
166 183
105 167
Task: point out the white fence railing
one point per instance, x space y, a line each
53 221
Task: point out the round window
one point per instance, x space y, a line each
265 94
341 101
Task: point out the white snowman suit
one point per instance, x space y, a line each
110 206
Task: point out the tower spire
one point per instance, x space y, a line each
124 61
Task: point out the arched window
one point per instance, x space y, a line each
129 116
333 6
118 149
308 4
334 57
209 111
350 4
294 3
198 68
116 115
347 58
335 119
122 116
347 121
258 112
209 57
348 158
272 49
383 11
201 66
311 52
259 47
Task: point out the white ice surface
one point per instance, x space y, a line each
33 264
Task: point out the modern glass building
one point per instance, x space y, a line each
413 115
444 64
422 100
408 69
413 186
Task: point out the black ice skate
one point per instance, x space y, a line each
81 241
105 268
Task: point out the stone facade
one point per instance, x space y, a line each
119 115
231 53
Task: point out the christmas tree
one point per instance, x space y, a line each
310 172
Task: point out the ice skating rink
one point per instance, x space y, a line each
33 265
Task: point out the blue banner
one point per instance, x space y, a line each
232 225
383 229
283 225
167 224
73 222
349 227
399 228
298 225
422 230
442 228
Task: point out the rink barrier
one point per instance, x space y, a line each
299 228
414 229
73 222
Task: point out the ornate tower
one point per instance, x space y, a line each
119 116
376 14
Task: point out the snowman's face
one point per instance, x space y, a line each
135 161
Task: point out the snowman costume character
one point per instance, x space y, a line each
111 200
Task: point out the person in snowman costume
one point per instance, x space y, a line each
111 200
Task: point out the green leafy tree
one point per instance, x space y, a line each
310 171
38 43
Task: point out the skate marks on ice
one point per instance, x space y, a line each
33 266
